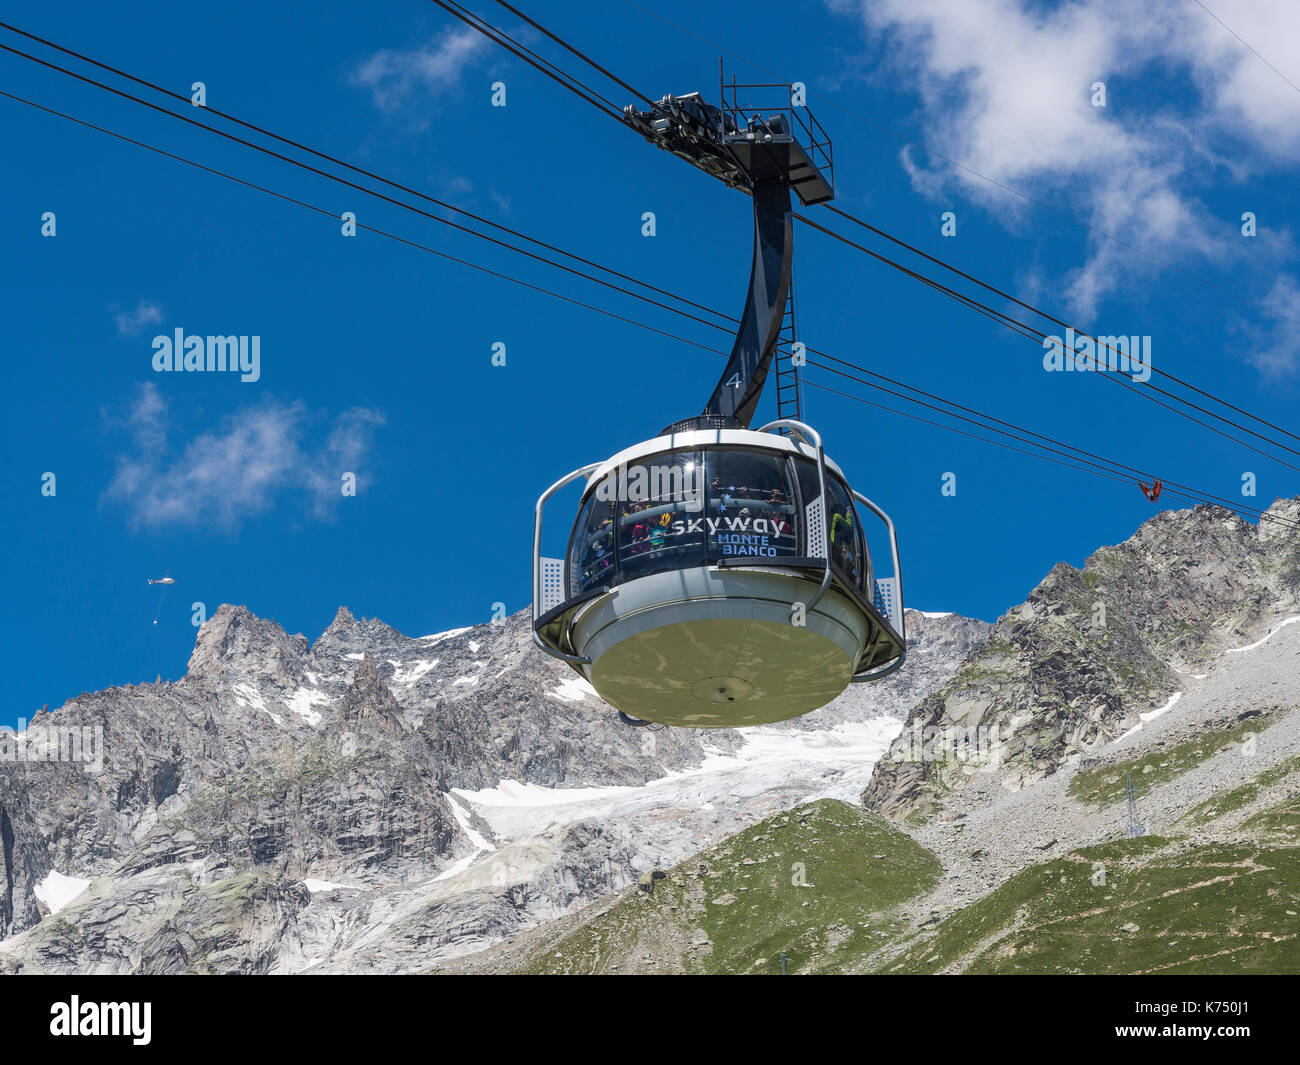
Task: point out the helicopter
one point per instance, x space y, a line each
717 575
165 580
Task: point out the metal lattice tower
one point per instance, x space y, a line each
1134 828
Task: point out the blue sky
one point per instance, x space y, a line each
376 358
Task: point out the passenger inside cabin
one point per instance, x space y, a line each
842 539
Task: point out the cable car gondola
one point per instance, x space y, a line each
717 575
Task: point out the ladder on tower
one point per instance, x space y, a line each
789 392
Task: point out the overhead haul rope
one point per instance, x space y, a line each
1019 326
457 208
1095 466
983 177
1064 325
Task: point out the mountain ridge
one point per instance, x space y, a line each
1074 665
277 762
377 802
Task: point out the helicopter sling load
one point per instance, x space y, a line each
165 580
716 575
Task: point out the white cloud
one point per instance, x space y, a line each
1276 352
147 420
239 469
394 76
1005 88
129 323
346 448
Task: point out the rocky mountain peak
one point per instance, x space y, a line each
340 632
348 635
368 698
1288 510
234 640
1090 649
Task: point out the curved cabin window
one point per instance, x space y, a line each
683 509
843 530
591 547
658 507
750 510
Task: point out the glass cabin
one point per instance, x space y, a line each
723 566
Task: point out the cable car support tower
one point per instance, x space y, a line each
757 151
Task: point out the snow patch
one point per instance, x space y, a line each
1276 629
935 614
481 845
833 761
573 690
517 793
355 657
410 676
438 637
465 680
1151 715
317 886
473 647
301 702
248 696
776 766
462 819
57 890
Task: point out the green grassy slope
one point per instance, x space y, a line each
1105 785
817 884
822 885
1120 908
